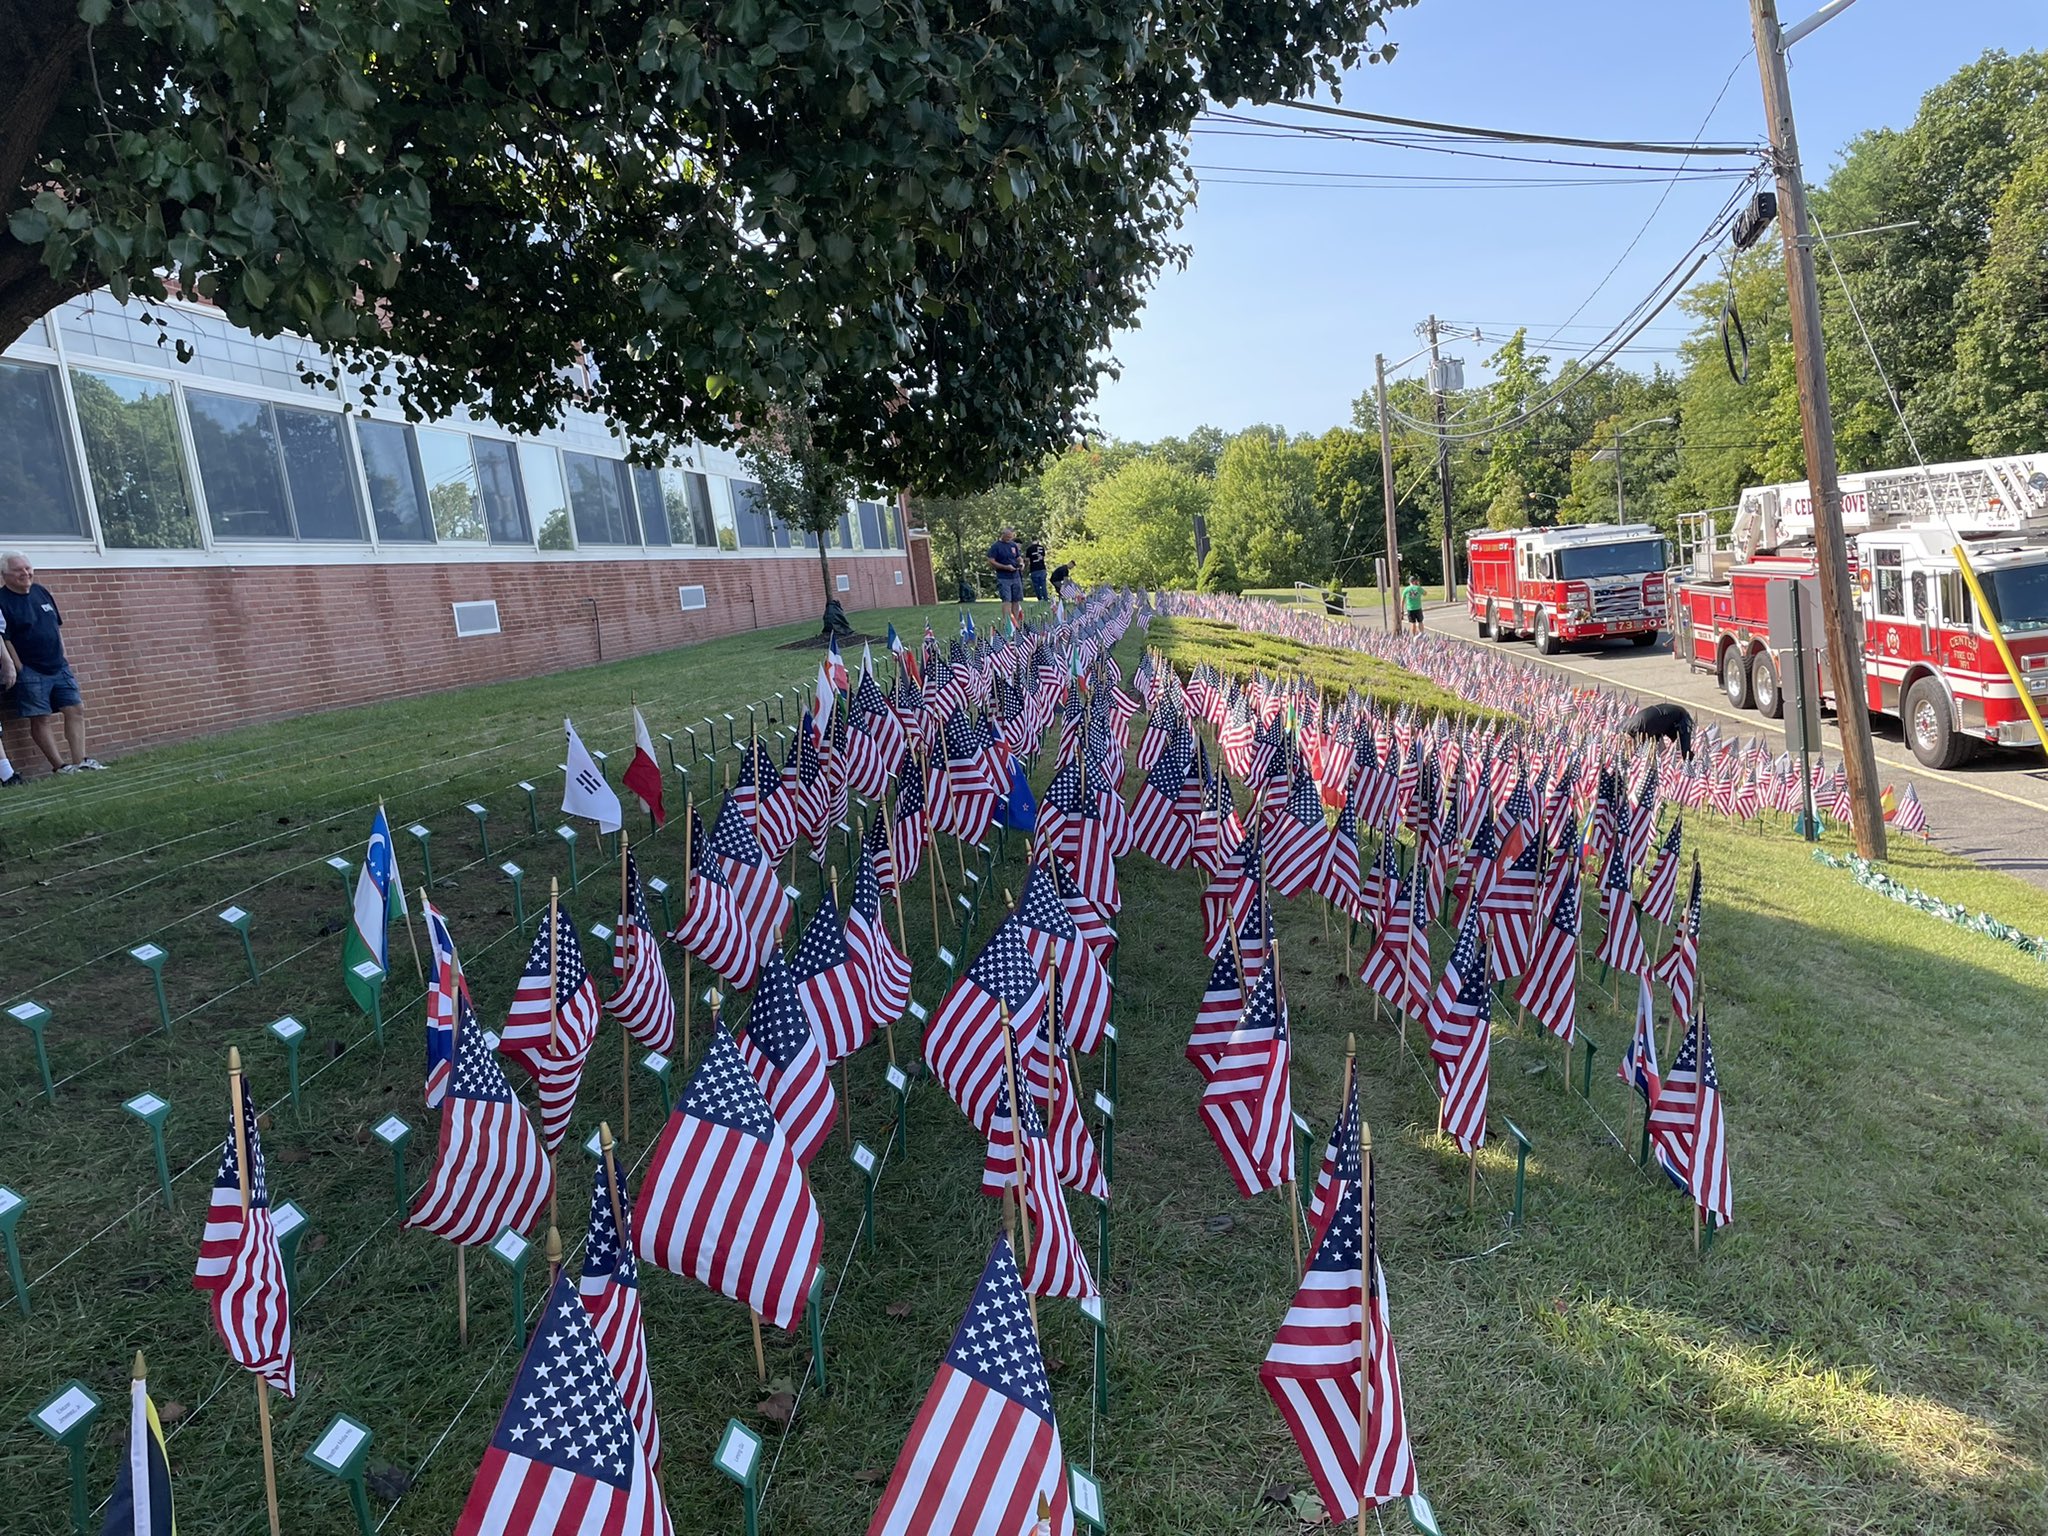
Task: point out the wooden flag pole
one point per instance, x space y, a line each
411 937
625 1038
845 1101
1019 1177
881 919
1365 1282
611 1179
235 1110
462 1295
554 1254
760 1352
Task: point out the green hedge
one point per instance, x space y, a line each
1238 652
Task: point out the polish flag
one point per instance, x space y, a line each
643 774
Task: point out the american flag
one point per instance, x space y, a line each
1686 1125
984 1450
240 1264
1909 815
491 1172
874 738
1336 879
1248 1102
782 1050
643 1002
1296 836
1158 825
750 874
1662 889
611 1295
564 1460
443 992
828 983
1638 1065
724 1198
1056 1265
1379 891
874 846
1341 1163
1679 970
1090 921
804 784
771 811
884 989
1621 946
1218 1014
1461 1036
1085 993
1331 1345
1075 1161
1397 968
964 1041
910 819
551 1036
1548 988
712 928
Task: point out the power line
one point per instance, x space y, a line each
1514 136
1440 147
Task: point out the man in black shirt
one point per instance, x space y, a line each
1034 561
44 682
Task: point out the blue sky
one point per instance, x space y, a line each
1292 288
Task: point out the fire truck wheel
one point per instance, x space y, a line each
1486 629
1931 729
1763 683
1546 643
1735 675
1644 637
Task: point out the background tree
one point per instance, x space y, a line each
1349 500
1143 526
931 229
1265 510
803 489
2002 354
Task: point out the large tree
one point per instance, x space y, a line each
1141 524
935 216
1265 510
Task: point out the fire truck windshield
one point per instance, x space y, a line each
2019 596
1636 558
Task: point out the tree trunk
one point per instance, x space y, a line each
42 49
825 578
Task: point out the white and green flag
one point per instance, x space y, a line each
379 897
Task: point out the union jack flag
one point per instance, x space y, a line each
564 1459
724 1198
239 1260
989 1407
443 993
611 1295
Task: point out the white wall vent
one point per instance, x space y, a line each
478 618
843 583
691 598
899 578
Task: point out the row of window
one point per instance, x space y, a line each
284 472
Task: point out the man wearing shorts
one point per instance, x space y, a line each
1411 603
44 683
1034 561
1008 562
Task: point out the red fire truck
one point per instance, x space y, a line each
1928 656
1558 586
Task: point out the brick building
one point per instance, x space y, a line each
227 545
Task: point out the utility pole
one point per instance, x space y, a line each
1619 512
1839 617
1379 369
1443 462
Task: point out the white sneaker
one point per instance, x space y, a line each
70 768
93 765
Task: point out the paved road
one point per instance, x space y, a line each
1994 809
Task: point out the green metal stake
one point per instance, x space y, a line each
347 871
696 747
1091 1308
739 1457
292 1034
899 1085
732 732
864 1159
1302 1131
660 888
1643 1148
516 875
568 837
288 1221
670 741
966 917
1105 1106
482 814
373 973
395 1133
814 1315
35 1018
658 1066
532 806
67 1418
151 957
512 1251
1707 1243
422 836
11 1207
341 1453
1522 1146
152 1112
236 918
1586 1077
1109 1060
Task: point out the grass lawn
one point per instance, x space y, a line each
1861 1352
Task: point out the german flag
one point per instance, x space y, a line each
141 1502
